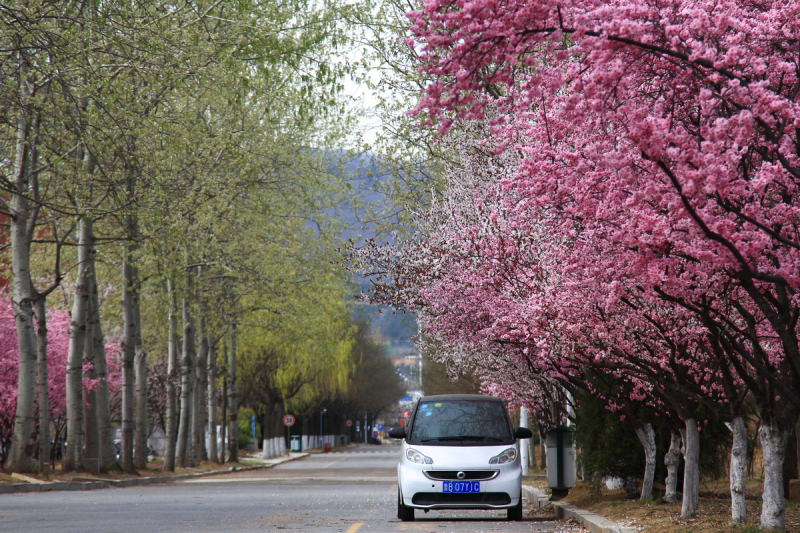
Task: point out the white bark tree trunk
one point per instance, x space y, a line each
73 458
199 412
91 445
185 455
42 381
737 470
108 453
224 425
233 431
213 453
99 445
691 469
129 296
773 507
648 439
172 370
20 455
99 437
671 460
141 429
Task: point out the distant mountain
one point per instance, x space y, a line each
369 183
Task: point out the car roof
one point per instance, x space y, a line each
473 397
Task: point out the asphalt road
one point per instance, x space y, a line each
352 492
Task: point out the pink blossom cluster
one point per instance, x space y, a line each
657 170
58 323
623 215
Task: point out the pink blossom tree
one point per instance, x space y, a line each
667 130
58 324
488 283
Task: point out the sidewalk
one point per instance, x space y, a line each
593 523
88 482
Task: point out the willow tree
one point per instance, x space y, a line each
298 355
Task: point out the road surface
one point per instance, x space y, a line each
353 492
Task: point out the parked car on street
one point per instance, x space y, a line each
460 452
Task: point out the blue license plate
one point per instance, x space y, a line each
461 486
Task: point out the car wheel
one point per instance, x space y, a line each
515 513
404 513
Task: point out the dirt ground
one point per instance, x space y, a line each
658 517
153 470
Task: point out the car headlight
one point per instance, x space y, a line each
508 456
415 457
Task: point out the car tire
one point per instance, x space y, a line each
404 513
515 513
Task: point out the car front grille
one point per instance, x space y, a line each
448 498
469 475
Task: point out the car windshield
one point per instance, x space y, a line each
459 421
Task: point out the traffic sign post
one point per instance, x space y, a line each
295 442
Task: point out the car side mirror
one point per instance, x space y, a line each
397 433
523 433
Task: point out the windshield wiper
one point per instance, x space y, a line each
463 438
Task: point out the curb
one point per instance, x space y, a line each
84 484
593 522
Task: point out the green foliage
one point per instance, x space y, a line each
608 446
302 353
244 421
375 385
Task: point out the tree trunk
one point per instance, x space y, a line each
199 414
172 370
233 431
737 470
224 425
671 460
91 444
77 340
691 469
773 507
790 465
141 429
129 304
212 400
42 386
95 338
542 448
648 439
797 446
20 455
185 455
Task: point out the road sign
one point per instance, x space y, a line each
288 420
348 423
379 427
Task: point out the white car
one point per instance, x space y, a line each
460 452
